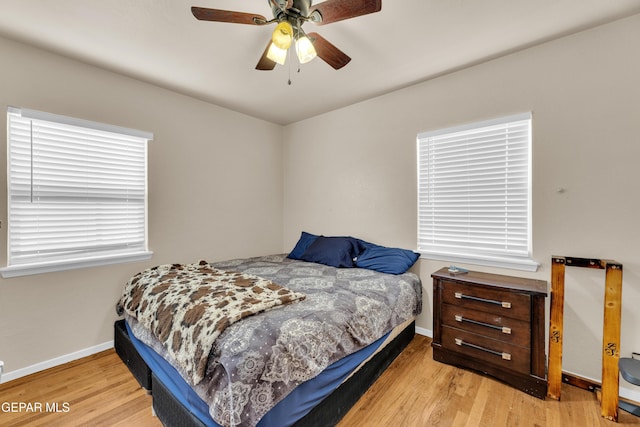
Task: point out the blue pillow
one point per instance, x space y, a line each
386 260
333 251
305 240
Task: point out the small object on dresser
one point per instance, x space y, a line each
453 270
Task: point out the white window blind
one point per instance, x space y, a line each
77 193
474 201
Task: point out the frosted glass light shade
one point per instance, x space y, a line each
282 36
276 54
306 51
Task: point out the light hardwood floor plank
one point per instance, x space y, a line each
414 391
93 391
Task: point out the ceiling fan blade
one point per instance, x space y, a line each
328 52
338 10
265 64
205 14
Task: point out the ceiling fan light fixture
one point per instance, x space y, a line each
305 50
277 54
282 36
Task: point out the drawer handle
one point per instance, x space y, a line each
503 329
505 356
503 304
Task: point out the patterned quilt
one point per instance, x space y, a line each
254 363
186 307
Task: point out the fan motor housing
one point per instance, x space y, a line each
299 8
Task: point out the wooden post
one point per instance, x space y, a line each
611 333
611 340
556 324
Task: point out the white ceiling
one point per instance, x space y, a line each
407 42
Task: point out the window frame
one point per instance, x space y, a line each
87 259
513 260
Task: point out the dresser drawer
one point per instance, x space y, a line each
513 331
492 300
479 347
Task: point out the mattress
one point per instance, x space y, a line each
287 412
346 317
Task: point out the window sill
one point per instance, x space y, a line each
523 264
29 269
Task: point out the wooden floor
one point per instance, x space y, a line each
414 391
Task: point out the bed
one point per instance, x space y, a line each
303 360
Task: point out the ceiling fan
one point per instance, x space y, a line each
289 15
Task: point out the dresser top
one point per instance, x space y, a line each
532 286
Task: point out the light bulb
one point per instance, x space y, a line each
283 35
276 54
306 51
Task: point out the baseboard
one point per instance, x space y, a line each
425 332
624 388
23 372
628 394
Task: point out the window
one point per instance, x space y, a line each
474 193
77 193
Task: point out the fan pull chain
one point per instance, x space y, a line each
289 54
298 70
299 32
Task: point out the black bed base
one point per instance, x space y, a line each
328 413
335 406
129 355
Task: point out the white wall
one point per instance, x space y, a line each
215 192
353 171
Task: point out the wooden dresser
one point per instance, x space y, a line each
492 324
